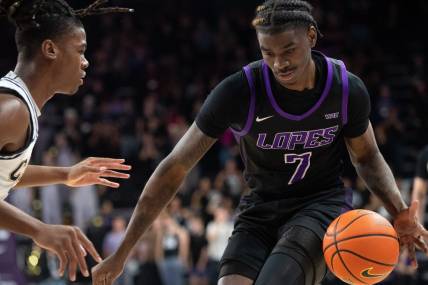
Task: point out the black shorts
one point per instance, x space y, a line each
261 224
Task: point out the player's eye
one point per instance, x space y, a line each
290 51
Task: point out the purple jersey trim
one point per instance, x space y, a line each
345 90
247 127
313 109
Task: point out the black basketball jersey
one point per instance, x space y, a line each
294 155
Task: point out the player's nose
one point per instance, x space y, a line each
280 64
85 63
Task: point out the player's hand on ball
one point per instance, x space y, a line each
95 170
69 244
106 272
410 232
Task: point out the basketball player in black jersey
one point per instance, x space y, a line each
294 115
51 42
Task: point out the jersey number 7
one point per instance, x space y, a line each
304 161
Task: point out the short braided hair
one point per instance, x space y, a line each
275 16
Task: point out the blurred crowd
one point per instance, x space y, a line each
149 74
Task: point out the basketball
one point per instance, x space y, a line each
361 247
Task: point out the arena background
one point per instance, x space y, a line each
149 74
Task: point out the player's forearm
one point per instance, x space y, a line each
379 179
14 220
157 193
37 175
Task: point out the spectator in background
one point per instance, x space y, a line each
171 250
52 210
115 236
100 225
198 273
176 210
201 198
218 232
148 271
230 180
420 183
113 239
84 205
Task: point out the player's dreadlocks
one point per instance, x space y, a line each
275 16
37 20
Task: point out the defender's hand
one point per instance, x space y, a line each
106 272
69 244
93 170
410 232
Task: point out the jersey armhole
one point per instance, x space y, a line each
30 130
250 79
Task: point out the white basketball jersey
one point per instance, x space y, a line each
13 165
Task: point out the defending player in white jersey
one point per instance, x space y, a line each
51 43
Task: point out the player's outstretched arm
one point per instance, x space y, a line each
159 190
372 168
68 243
93 170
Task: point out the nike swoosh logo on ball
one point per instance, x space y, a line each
366 273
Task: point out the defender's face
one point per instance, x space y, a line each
287 53
71 62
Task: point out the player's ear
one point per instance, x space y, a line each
312 36
49 49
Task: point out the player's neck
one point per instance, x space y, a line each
38 82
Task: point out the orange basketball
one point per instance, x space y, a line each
361 247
